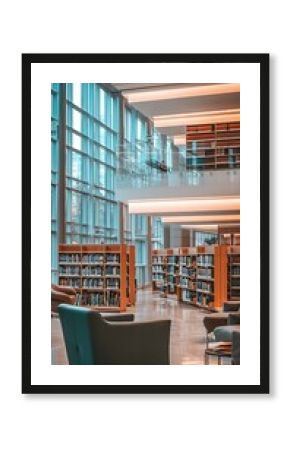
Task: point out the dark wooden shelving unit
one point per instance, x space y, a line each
213 146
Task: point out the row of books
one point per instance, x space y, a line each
159 282
171 278
71 282
92 270
112 257
205 286
156 268
88 270
157 260
112 270
187 283
213 166
205 272
219 159
70 270
172 272
100 299
188 296
157 276
188 260
172 259
70 258
113 283
190 272
89 258
234 259
93 282
95 257
213 152
93 298
204 299
205 260
235 270
90 282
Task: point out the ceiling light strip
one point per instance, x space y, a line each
181 92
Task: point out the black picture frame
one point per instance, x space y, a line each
248 58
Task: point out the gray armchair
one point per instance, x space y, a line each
211 321
94 338
231 333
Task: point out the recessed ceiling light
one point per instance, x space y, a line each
180 92
181 205
201 219
194 118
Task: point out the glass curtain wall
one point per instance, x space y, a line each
134 151
135 156
157 233
54 177
140 227
135 228
202 238
92 133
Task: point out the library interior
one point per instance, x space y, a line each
145 223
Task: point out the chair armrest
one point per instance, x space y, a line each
136 343
212 321
225 333
60 297
66 289
109 317
231 306
236 348
234 319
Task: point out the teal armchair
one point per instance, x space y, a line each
94 338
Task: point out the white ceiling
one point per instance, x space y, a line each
192 104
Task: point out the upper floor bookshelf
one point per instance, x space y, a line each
213 146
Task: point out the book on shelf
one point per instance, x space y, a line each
111 257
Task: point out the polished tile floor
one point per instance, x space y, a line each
187 341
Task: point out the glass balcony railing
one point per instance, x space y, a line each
144 166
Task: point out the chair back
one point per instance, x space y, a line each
77 332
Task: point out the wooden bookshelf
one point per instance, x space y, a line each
233 265
165 270
130 267
211 276
171 269
186 282
200 275
213 146
158 269
101 274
